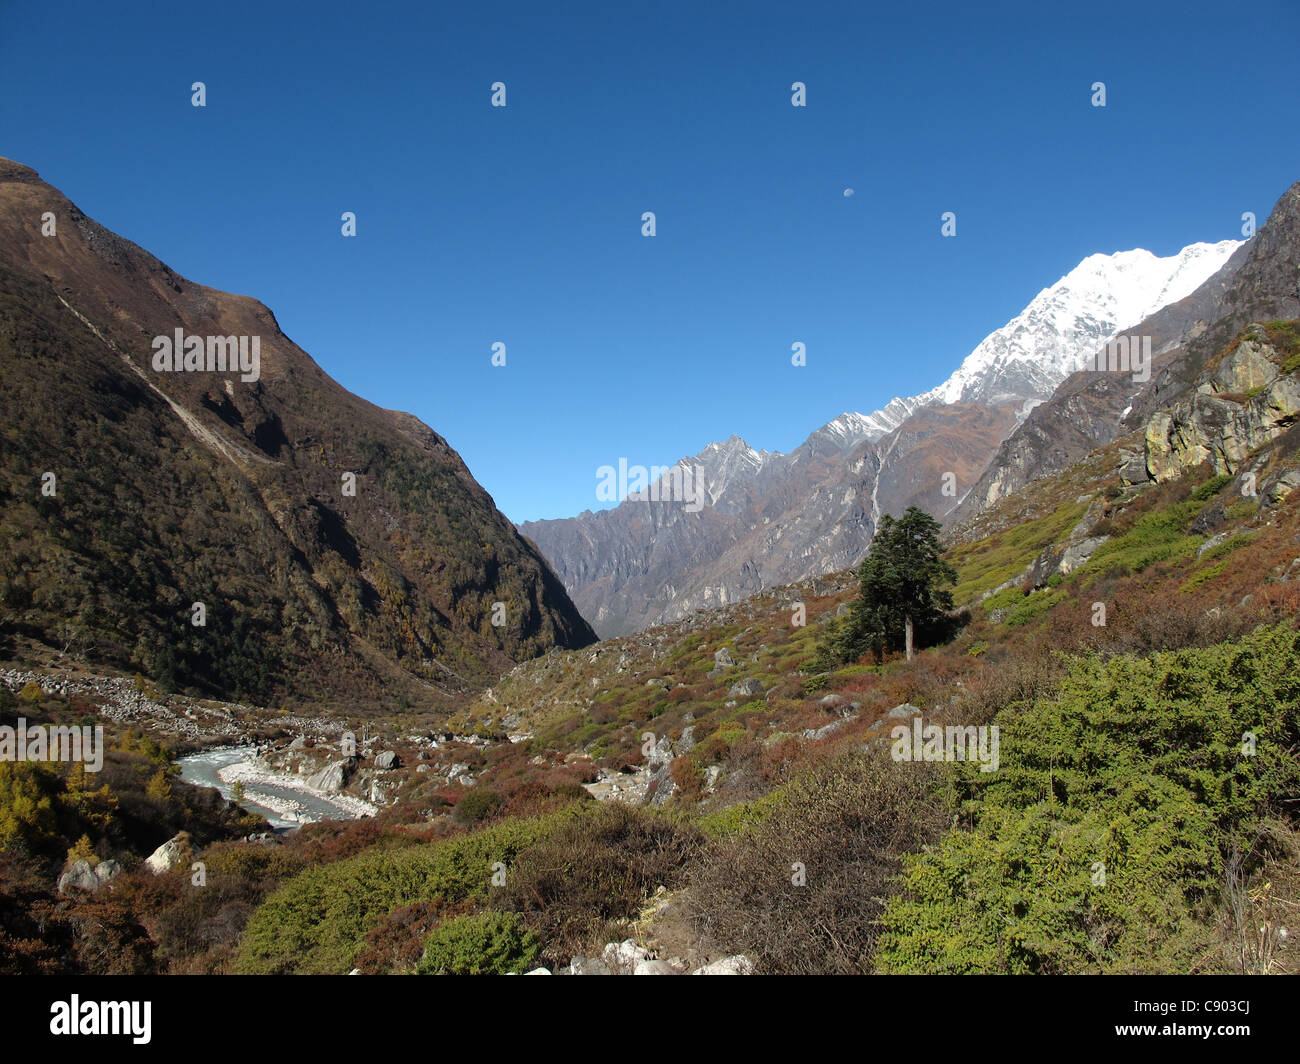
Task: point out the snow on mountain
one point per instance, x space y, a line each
721 465
1055 335
1064 325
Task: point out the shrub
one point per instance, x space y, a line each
316 922
478 804
1135 768
600 866
847 823
489 943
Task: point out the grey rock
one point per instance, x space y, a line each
1213 542
625 955
817 734
386 760
738 964
79 877
331 778
106 870
747 688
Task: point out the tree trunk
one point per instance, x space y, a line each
907 635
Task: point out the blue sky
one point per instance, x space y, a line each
523 224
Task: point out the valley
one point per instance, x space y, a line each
395 745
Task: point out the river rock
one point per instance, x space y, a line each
330 779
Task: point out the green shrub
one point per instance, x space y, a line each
1154 537
1032 605
1211 487
316 922
1097 846
813 684
478 804
488 943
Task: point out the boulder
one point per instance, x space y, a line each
738 964
831 702
171 853
661 753
106 870
1240 405
747 688
654 968
1213 542
722 659
906 711
817 734
625 955
79 877
330 779
386 760
589 966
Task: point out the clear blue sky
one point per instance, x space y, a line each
522 225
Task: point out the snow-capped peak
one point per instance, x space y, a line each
1064 325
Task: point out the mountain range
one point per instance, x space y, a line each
773 518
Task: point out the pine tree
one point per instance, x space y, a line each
899 587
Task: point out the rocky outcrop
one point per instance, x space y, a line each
1093 409
1243 401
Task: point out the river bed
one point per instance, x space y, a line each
278 798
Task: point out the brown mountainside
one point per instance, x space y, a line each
172 488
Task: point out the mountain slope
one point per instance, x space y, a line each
1090 409
175 488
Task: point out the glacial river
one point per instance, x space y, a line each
283 806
